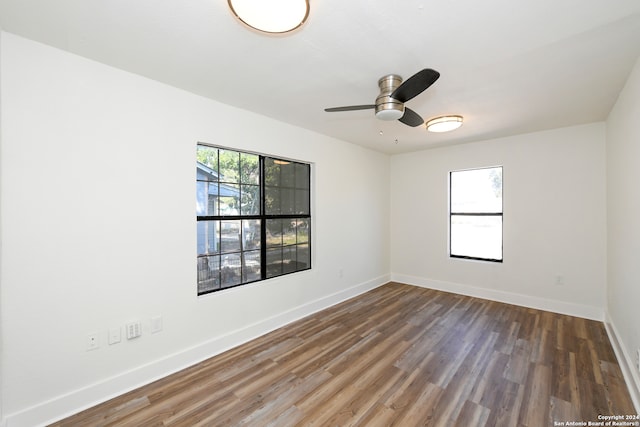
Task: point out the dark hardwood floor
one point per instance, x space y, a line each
396 356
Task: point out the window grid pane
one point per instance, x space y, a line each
207 160
229 166
476 191
274 262
230 270
249 200
249 169
251 266
208 273
476 236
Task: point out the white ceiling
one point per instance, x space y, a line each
508 67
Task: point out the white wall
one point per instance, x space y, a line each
98 228
623 226
554 220
1 316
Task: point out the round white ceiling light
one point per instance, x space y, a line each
271 16
444 124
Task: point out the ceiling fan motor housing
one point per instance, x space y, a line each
388 108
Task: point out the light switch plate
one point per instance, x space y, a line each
134 330
156 324
115 335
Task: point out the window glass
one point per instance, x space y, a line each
230 270
476 236
251 266
251 234
302 230
229 236
249 169
206 198
208 237
208 274
475 226
274 262
229 166
302 176
304 256
274 232
478 190
208 158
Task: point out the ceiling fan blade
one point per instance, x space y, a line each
411 118
415 85
350 108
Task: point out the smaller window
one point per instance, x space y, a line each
475 214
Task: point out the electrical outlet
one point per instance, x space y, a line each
93 343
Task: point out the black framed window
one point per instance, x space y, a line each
475 214
253 217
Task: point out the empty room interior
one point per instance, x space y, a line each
337 257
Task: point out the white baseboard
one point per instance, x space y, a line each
93 394
626 362
561 307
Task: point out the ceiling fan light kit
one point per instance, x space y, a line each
444 123
271 16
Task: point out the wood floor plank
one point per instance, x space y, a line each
537 404
505 405
367 399
518 367
563 410
615 387
472 414
491 381
422 410
395 356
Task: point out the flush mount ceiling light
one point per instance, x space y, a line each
271 16
444 123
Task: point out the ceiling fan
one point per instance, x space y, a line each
393 94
